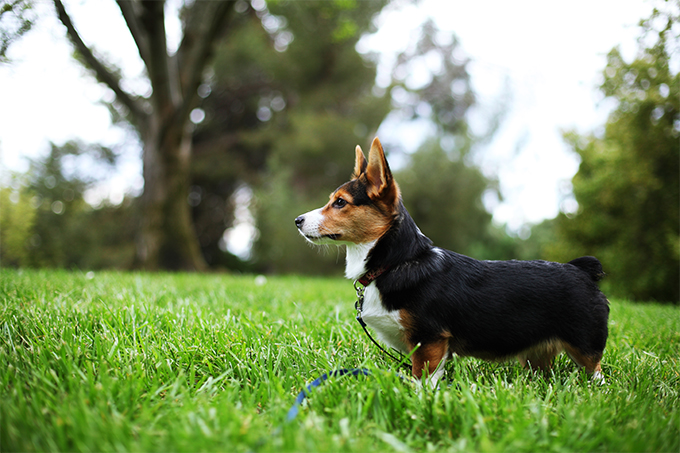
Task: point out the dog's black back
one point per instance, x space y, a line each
492 309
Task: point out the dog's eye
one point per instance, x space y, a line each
339 203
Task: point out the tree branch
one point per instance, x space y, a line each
206 22
103 74
131 15
166 95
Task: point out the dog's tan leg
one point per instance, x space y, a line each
540 357
590 362
427 359
536 362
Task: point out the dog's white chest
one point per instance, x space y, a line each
385 323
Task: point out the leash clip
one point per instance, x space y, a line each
359 304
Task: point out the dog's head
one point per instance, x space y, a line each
360 210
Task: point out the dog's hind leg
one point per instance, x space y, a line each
591 362
540 357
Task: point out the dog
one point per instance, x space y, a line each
432 303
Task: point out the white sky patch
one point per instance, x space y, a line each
550 56
239 239
46 96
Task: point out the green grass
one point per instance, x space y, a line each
177 362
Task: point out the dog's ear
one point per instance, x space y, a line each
379 176
359 164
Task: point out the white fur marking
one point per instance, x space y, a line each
310 228
433 380
355 265
385 323
598 377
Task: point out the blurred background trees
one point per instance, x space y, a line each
273 120
46 222
165 235
628 183
289 99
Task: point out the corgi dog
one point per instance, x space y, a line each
432 303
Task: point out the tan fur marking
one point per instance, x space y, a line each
455 344
361 224
540 356
590 363
407 323
356 224
359 164
427 357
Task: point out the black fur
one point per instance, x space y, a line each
357 189
492 309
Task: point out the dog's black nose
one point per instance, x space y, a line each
300 221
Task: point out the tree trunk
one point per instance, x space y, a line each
166 239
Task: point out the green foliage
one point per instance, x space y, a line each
178 362
17 219
628 183
542 237
444 197
16 19
47 223
58 231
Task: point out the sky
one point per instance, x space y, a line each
544 58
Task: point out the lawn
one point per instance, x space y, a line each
185 362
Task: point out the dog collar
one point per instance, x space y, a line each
370 276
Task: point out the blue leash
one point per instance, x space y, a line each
295 409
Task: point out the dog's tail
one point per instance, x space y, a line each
590 265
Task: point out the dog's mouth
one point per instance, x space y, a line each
332 237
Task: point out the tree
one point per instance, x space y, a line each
166 238
443 188
17 218
628 183
289 99
47 222
445 95
444 197
276 110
